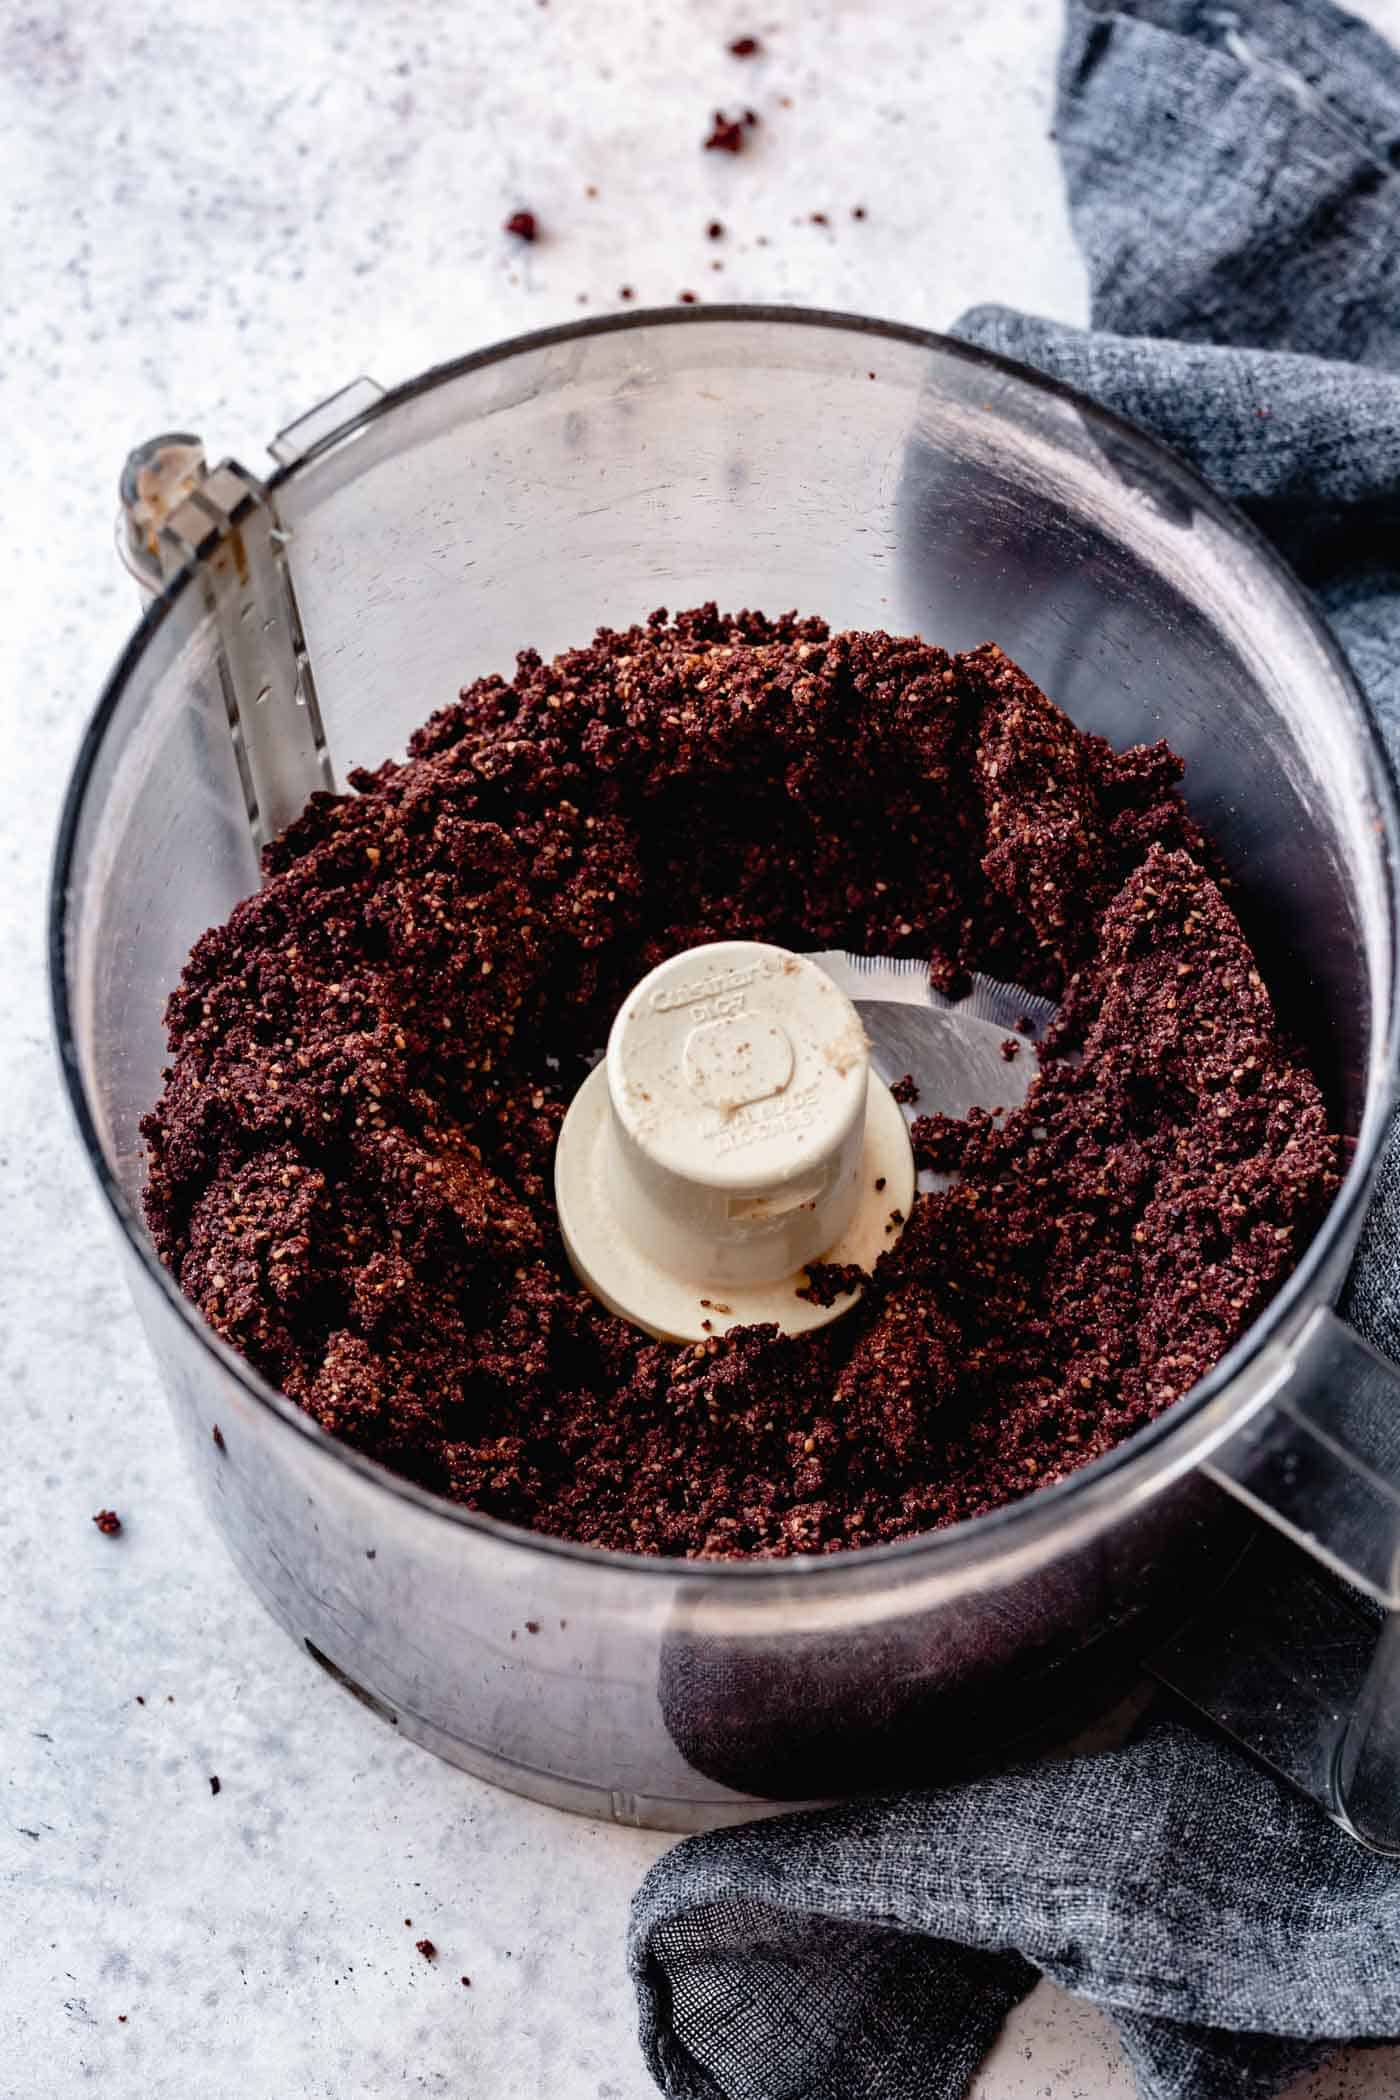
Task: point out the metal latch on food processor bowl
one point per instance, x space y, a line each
178 515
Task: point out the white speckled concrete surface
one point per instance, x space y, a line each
213 217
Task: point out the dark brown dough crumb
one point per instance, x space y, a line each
905 1092
829 1280
351 1162
726 135
108 1523
524 225
1010 1050
427 1949
215 1784
745 47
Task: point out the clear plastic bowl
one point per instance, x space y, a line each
884 478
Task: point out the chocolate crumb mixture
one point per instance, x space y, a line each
829 1280
727 133
351 1163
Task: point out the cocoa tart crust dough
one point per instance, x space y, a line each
351 1163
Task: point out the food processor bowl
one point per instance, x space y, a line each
885 478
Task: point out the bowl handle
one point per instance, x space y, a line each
1301 1667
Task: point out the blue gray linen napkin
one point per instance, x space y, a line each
1231 176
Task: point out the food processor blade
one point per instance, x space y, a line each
954 1050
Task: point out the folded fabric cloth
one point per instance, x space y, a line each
1231 180
872 1952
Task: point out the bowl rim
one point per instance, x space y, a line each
1095 1492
